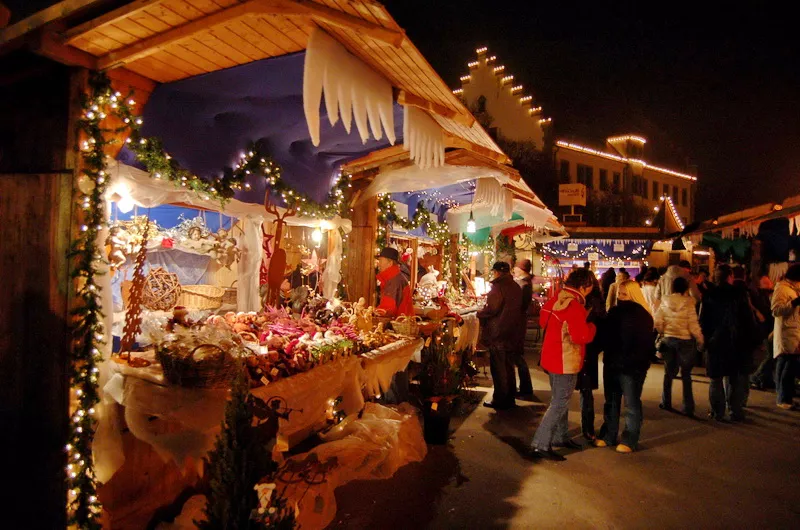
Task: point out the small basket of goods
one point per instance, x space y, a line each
200 356
407 325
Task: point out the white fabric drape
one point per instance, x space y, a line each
351 89
249 265
414 178
423 138
332 274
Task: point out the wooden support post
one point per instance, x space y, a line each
454 241
414 266
359 270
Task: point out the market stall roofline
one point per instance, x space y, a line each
790 207
187 41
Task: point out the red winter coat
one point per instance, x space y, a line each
395 293
567 332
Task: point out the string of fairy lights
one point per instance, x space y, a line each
88 331
674 211
636 254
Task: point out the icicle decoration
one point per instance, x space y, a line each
490 192
423 137
351 89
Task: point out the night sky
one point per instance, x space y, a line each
719 89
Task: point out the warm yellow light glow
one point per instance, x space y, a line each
525 99
507 78
545 120
627 137
498 69
458 91
473 64
534 110
481 50
492 58
576 147
465 77
516 88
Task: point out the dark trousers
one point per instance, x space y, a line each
587 412
501 364
764 377
786 370
727 392
525 383
617 385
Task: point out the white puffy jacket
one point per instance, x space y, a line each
786 338
677 318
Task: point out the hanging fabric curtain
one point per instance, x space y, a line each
351 89
423 138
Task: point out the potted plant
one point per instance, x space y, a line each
440 383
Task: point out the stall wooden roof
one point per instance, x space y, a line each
168 40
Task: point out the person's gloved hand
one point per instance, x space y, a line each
796 302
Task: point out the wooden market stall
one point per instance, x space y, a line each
54 195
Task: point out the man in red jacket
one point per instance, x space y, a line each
395 292
564 348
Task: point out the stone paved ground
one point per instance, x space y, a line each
687 473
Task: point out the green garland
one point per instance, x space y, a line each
387 216
88 331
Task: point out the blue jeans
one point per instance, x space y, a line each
554 426
786 369
615 386
727 392
678 355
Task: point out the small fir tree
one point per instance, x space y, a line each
237 463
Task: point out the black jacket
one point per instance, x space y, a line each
730 330
628 338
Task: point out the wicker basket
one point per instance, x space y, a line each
185 371
201 296
229 297
407 325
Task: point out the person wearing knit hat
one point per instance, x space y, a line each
395 297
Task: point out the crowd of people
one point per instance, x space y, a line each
677 316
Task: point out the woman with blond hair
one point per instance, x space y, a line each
628 347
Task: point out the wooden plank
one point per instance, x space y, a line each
212 41
160 71
168 58
44 17
263 26
375 158
184 9
230 38
406 98
185 60
150 22
175 35
287 28
89 47
107 19
358 271
208 53
242 29
181 52
48 46
206 6
351 20
168 16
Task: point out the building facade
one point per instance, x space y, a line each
620 169
616 172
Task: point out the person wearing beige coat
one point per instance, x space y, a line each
786 335
676 322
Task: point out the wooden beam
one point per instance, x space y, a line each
353 23
45 16
151 45
407 98
375 159
48 45
109 18
451 140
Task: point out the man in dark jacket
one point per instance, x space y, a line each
731 335
503 330
525 281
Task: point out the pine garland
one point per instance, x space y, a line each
387 216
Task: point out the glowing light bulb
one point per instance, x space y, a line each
125 204
316 235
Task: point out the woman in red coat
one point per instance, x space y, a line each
565 338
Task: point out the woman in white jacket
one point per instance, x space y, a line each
676 321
